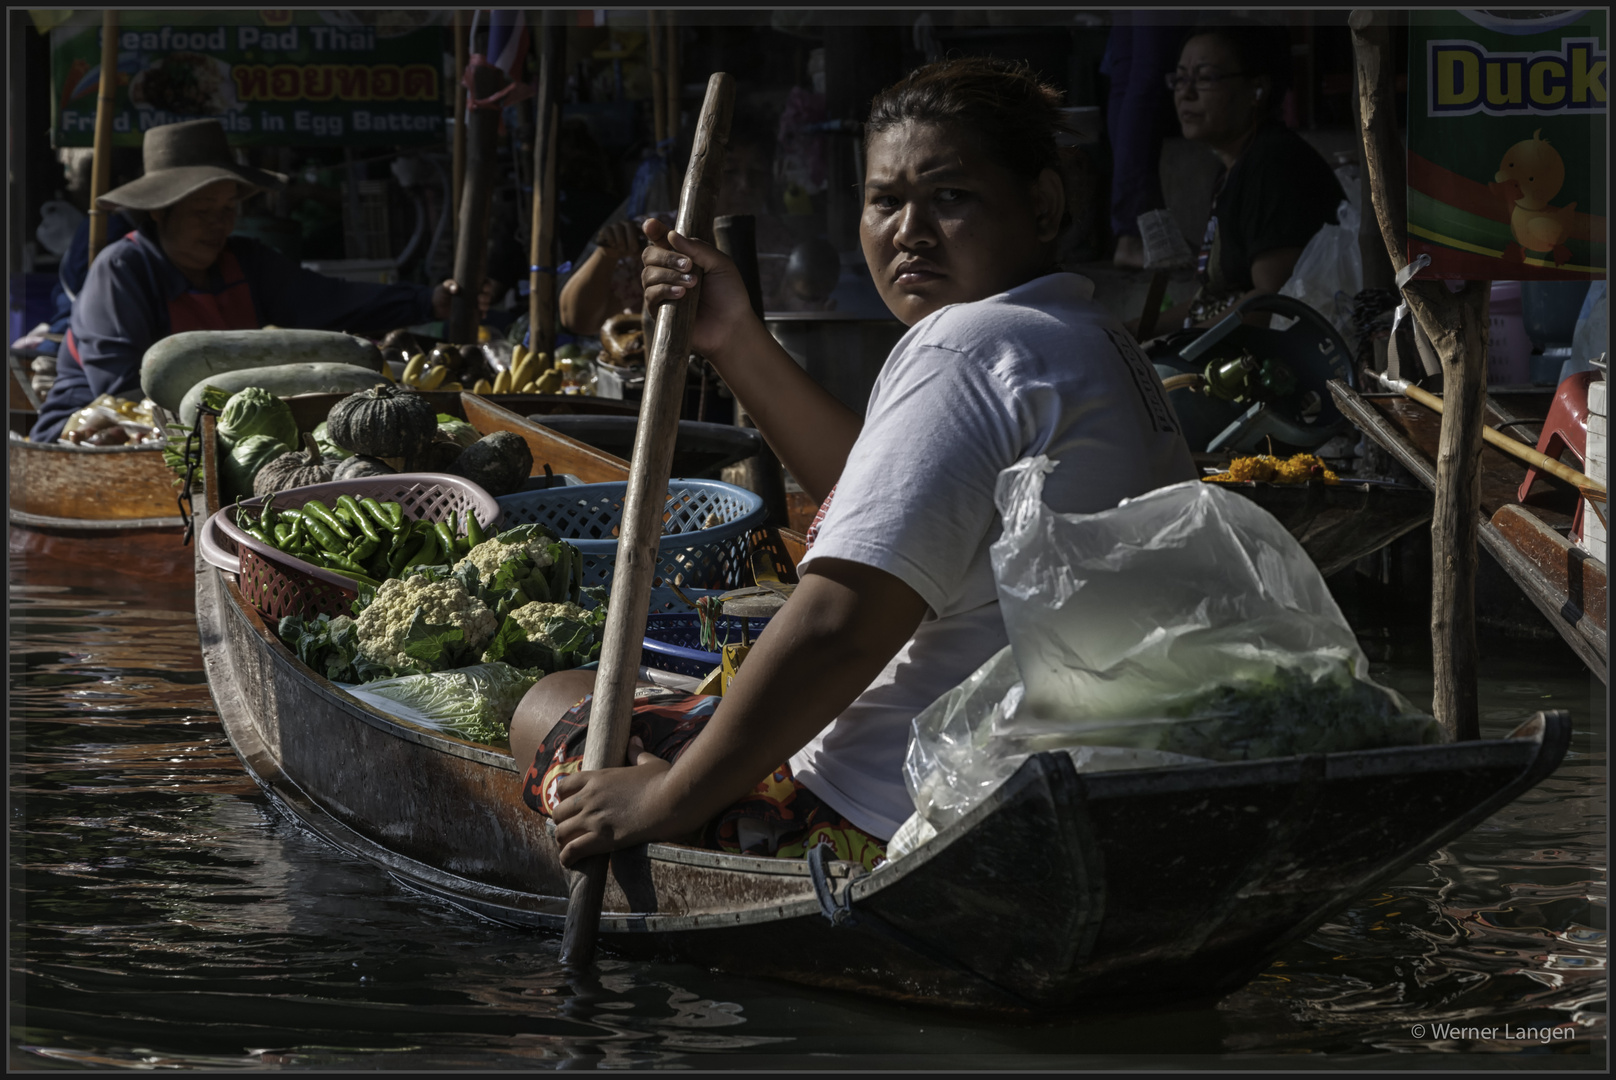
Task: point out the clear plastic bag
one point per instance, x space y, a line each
112 421
1328 274
1184 625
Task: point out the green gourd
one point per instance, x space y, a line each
173 365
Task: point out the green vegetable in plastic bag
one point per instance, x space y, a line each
255 411
475 703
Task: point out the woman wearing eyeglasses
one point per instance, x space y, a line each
1273 192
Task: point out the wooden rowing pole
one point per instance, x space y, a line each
101 159
458 165
647 493
1494 437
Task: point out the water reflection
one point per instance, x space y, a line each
166 916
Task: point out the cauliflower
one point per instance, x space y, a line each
489 555
532 617
415 613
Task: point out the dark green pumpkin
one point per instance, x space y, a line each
360 466
299 468
384 422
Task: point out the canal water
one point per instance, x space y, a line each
164 915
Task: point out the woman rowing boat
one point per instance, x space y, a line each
1006 357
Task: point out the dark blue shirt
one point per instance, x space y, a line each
124 308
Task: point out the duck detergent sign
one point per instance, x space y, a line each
1506 144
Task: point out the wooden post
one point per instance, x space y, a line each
458 166
736 236
471 238
1456 324
542 282
671 91
101 162
659 106
647 493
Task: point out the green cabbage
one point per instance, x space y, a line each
243 462
255 411
457 431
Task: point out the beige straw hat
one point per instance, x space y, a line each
183 158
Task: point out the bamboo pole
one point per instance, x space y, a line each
1456 325
1493 437
101 162
666 361
659 107
471 238
541 309
458 166
671 90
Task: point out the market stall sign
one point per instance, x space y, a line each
1506 144
275 78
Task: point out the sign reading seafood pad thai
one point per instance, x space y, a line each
279 78
1506 144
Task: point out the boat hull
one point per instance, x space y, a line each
90 490
1061 891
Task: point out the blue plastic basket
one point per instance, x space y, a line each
691 554
673 641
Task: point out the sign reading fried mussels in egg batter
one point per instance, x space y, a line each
279 78
1506 144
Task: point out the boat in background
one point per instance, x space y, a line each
1529 539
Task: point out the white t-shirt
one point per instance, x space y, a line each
968 391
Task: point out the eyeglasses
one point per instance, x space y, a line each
1203 79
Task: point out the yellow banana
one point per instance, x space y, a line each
517 354
522 371
502 382
452 387
434 377
413 370
549 382
528 388
387 372
482 386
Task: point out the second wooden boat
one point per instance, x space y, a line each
1529 540
112 490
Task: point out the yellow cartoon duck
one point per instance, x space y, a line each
1530 175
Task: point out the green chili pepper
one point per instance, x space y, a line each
404 549
474 531
289 515
363 550
284 534
357 575
360 518
427 554
258 534
395 514
321 533
340 562
446 540
266 520
317 511
379 516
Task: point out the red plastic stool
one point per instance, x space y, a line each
1566 428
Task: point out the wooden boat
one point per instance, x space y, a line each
1529 540
1338 524
111 490
1060 891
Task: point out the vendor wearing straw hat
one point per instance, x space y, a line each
181 269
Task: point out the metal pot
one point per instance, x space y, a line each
841 353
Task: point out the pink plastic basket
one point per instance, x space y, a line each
277 584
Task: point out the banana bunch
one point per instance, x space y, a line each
421 376
529 373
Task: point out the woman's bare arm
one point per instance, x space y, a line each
840 628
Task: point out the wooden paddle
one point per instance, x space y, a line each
641 528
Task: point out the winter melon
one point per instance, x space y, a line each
172 366
283 380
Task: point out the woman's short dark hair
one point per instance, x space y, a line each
1260 50
1015 114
